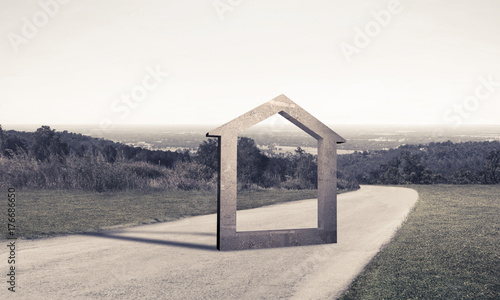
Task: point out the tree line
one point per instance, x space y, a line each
433 163
49 159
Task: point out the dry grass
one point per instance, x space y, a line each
41 213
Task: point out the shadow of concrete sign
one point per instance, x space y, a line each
326 232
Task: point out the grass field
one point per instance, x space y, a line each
449 248
42 213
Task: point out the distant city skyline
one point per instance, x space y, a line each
206 62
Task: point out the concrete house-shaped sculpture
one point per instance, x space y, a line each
326 232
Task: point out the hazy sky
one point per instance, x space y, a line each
346 62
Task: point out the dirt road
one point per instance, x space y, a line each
178 260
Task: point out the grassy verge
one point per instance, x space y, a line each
42 213
449 248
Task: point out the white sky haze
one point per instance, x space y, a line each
426 62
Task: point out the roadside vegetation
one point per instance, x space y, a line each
448 248
44 213
433 163
47 159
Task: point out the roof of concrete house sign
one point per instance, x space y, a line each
326 232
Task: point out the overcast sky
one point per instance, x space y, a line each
346 62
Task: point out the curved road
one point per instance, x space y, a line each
178 260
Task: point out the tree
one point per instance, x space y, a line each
42 138
58 148
251 162
492 169
47 143
14 145
306 168
2 140
208 154
129 152
463 177
109 152
413 170
299 151
390 172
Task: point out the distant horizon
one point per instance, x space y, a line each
5 125
358 136
95 131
